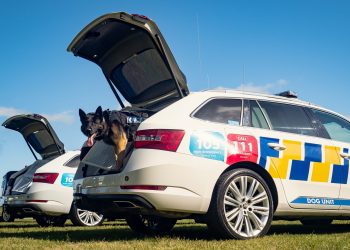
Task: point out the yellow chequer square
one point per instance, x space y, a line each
321 170
292 152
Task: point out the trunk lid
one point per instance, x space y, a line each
38 134
134 57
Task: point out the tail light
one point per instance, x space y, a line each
49 178
163 139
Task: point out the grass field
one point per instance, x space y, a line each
25 234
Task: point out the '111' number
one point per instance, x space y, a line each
242 146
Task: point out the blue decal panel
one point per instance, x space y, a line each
266 151
321 201
208 144
67 180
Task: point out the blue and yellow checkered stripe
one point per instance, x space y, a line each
304 161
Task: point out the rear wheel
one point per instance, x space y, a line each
241 206
46 220
316 222
6 216
150 224
80 217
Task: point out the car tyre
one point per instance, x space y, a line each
80 217
150 224
241 205
46 220
7 217
316 222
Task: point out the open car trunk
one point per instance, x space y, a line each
138 64
101 159
40 138
135 59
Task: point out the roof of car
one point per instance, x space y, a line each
264 96
257 95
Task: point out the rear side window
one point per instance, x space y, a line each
288 118
227 111
337 128
257 117
73 163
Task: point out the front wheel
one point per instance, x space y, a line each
150 224
241 206
80 217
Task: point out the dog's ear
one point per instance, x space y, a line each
98 113
106 116
82 115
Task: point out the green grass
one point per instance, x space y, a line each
25 234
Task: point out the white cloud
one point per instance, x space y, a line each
63 117
7 112
274 87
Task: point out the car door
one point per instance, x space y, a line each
290 149
338 130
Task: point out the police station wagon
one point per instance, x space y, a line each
231 159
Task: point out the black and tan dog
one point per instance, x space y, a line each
109 126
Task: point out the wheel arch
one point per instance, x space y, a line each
260 171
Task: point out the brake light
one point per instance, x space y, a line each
49 178
163 139
140 16
38 201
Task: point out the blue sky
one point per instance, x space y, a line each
298 45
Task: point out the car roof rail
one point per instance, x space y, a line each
288 94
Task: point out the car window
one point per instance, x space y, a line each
73 163
226 111
288 118
257 117
337 128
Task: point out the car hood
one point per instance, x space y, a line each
134 56
38 133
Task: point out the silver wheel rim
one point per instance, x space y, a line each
89 218
246 206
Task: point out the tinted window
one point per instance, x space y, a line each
142 77
226 111
337 128
288 118
258 119
73 163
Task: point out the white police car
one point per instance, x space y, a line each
43 190
232 159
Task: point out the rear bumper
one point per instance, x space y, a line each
120 204
189 181
30 205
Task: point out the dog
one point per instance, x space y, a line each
109 126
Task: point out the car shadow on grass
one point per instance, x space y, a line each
301 229
115 232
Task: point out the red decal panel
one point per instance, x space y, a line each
241 148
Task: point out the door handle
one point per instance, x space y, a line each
276 146
345 156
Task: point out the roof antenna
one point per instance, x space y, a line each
243 74
199 48
208 81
